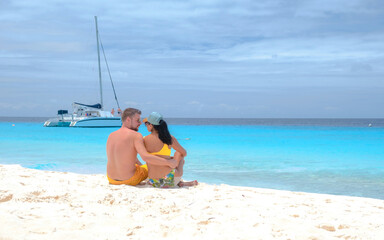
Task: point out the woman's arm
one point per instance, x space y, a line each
178 148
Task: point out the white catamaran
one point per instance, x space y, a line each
85 115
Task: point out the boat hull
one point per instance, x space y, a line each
58 122
97 122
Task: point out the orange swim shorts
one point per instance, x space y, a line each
141 174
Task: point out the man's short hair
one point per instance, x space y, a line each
129 112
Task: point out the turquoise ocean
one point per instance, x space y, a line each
332 156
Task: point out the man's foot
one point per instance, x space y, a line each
188 184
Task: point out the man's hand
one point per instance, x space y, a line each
172 163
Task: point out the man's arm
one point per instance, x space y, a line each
155 160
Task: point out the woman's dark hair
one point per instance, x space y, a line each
163 132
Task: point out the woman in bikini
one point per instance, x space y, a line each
159 143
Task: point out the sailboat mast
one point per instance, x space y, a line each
98 58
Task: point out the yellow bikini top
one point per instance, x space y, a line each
165 151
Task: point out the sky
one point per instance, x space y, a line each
200 58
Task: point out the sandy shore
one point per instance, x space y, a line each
53 205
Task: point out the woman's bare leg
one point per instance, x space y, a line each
187 184
179 169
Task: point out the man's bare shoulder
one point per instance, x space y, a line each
113 135
137 135
128 133
124 135
116 134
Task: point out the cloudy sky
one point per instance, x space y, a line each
200 58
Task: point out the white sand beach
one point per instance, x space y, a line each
38 204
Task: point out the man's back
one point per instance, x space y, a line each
121 154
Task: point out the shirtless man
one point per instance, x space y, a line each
123 145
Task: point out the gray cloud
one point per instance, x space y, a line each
248 58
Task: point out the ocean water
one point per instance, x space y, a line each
333 156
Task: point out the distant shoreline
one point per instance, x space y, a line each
337 122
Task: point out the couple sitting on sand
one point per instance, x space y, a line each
123 145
